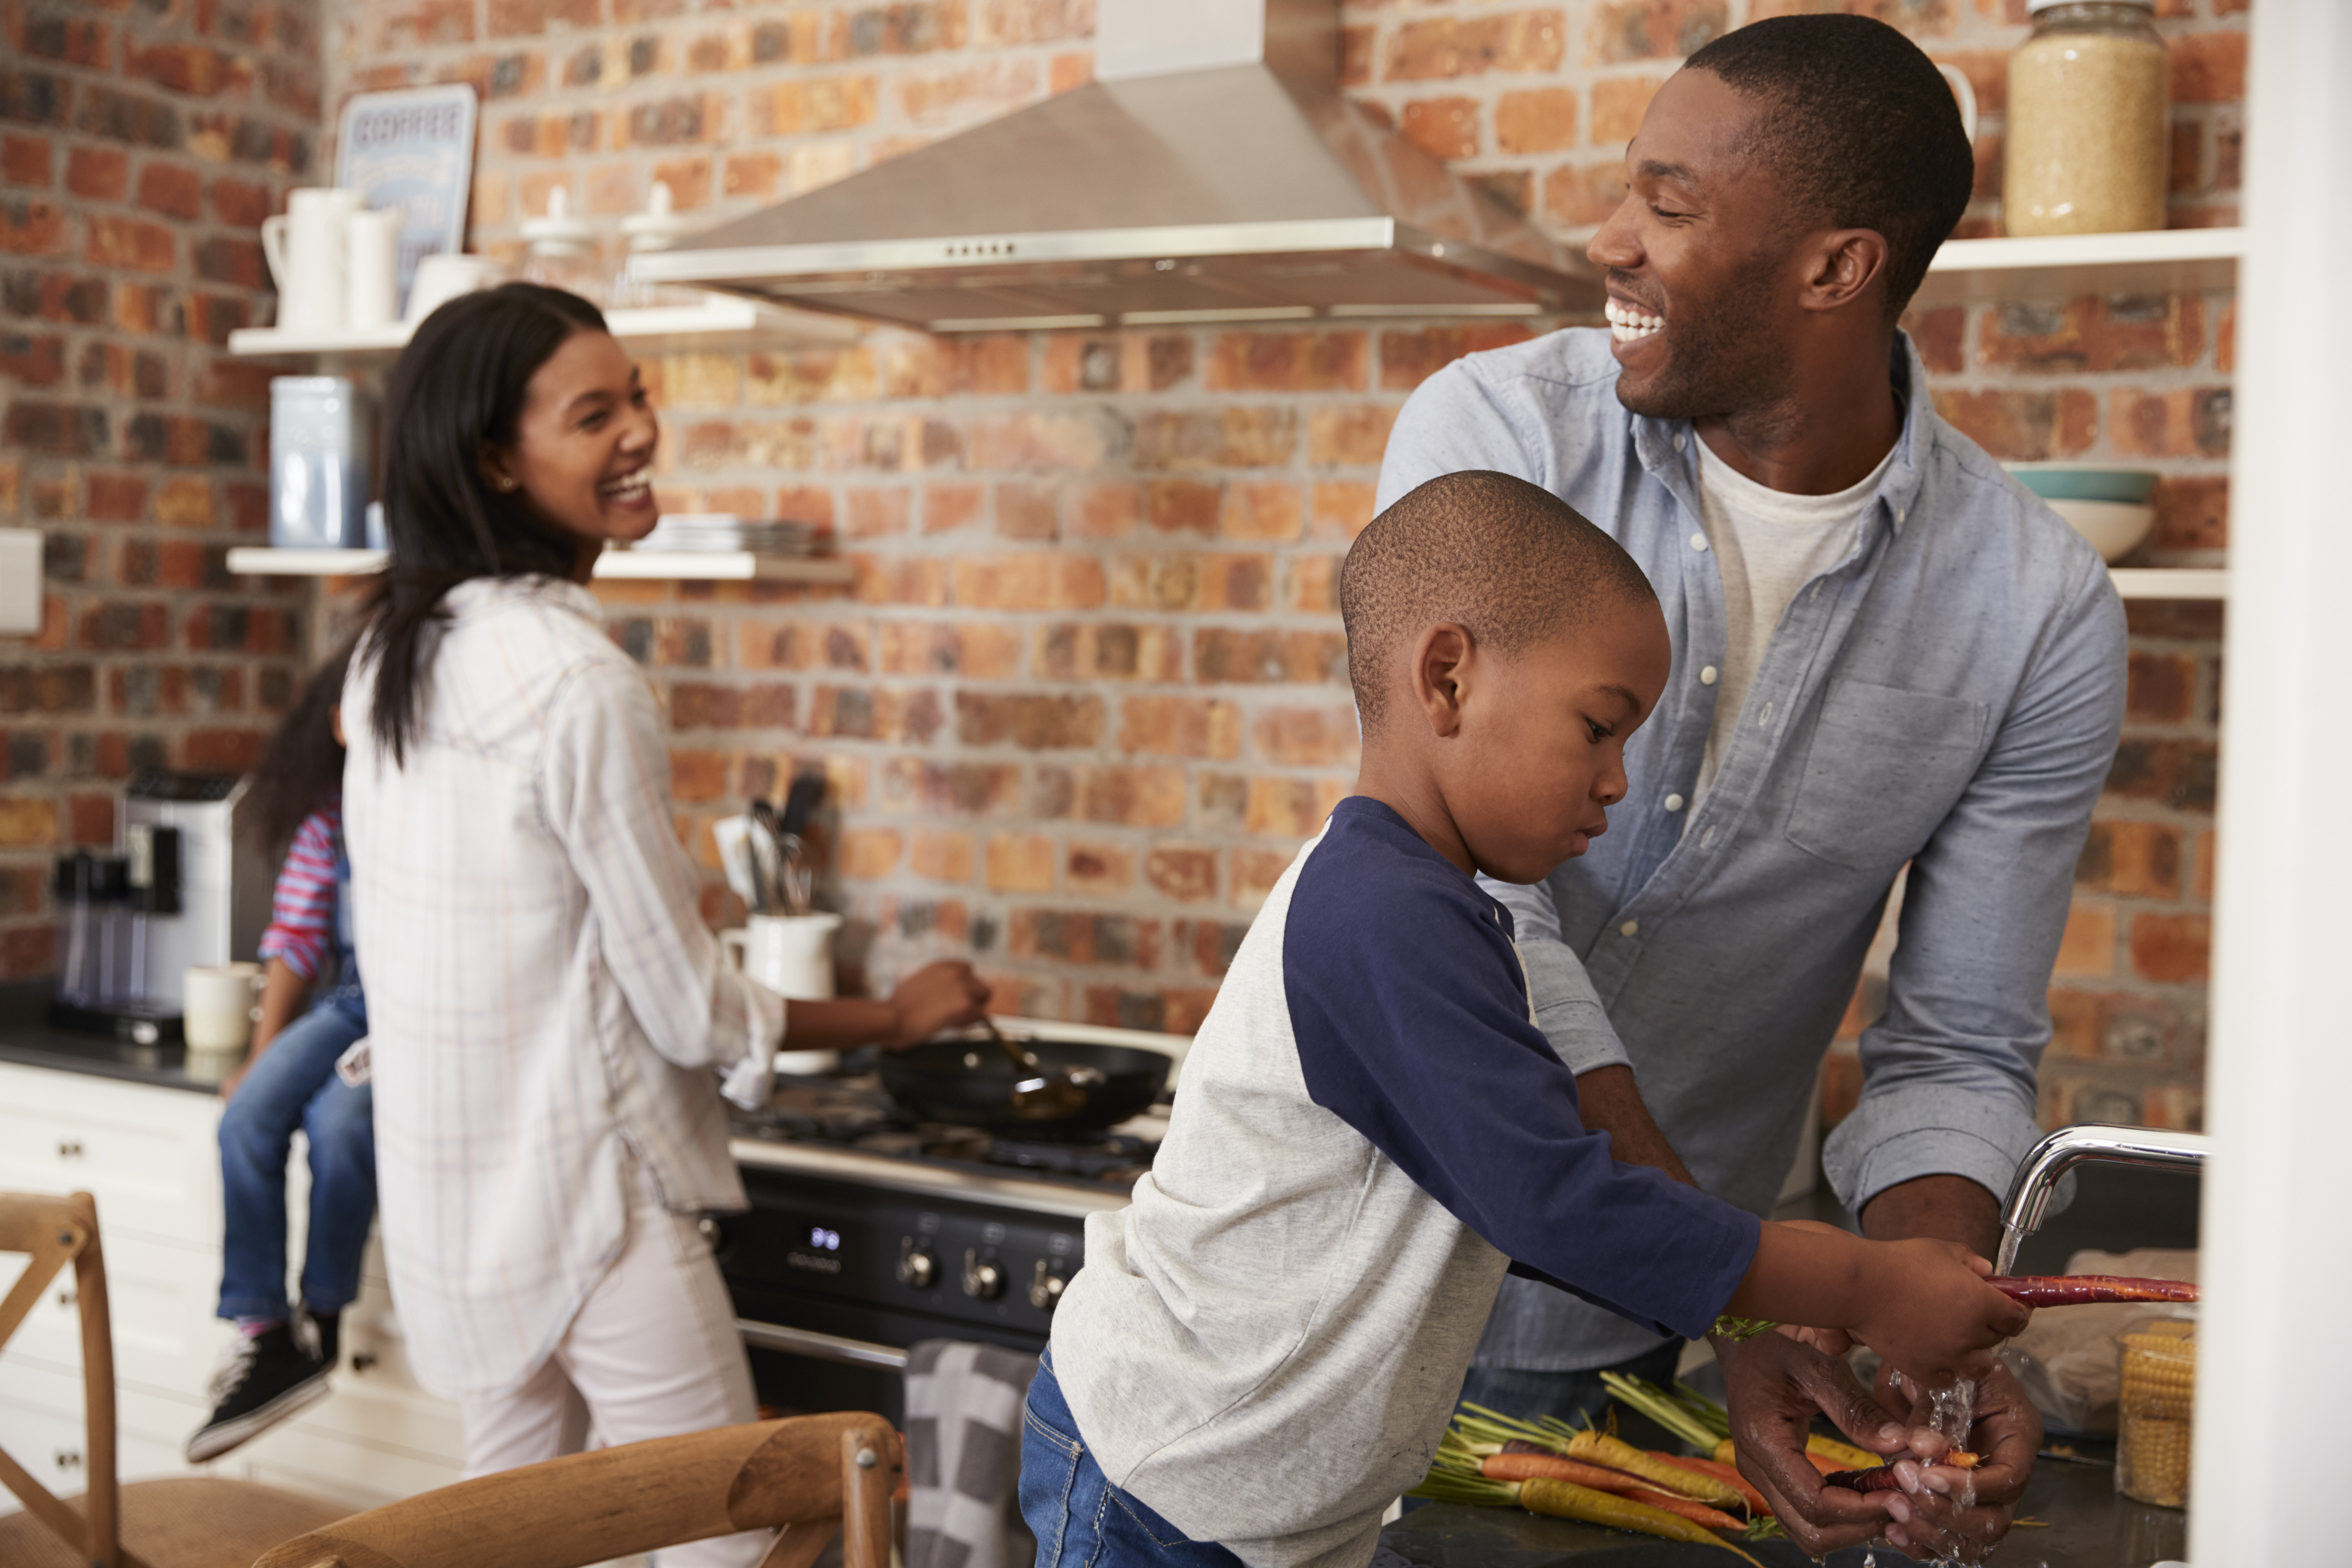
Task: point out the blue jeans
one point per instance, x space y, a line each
1079 1519
295 1085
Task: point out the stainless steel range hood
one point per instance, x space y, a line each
1211 172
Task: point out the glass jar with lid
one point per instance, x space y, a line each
561 250
658 228
2089 138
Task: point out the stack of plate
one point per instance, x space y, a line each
717 531
2107 505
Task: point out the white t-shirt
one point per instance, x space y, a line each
1767 544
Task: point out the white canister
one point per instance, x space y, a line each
372 268
441 278
219 1004
791 955
305 248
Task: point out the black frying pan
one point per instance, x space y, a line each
969 1083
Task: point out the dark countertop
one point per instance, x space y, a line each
2089 1527
28 1039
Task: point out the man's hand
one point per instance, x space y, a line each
942 995
1944 1511
2008 1431
1774 1384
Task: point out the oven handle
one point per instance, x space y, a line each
821 1347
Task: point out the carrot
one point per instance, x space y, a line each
1566 1499
1687 1508
2074 1289
1600 1448
1728 1476
1881 1476
1551 1466
1831 1449
1827 1453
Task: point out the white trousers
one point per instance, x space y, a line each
653 1353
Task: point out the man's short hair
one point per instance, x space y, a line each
1860 128
1509 562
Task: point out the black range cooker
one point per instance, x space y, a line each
869 1231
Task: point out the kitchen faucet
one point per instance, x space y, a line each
2062 1151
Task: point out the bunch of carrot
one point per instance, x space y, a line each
1704 1423
1548 1467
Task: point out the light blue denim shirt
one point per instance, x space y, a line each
1949 693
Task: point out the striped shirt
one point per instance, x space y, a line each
546 1006
302 930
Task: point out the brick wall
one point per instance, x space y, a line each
1087 694
141 143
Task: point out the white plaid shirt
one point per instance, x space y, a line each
545 1002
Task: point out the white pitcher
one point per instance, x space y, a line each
791 955
306 250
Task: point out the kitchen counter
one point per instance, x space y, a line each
2089 1527
28 1039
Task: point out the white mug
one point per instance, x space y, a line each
791 955
305 248
219 1004
441 278
372 268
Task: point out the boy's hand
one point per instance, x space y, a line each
937 996
1931 1315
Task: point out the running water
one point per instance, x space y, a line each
1951 1415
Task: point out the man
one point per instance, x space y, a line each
1884 651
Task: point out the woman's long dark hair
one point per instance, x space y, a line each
302 766
460 385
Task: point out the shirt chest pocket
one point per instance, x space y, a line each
1884 767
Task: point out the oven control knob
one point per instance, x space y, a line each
984 1281
1044 1289
916 1267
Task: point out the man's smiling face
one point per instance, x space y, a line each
1698 258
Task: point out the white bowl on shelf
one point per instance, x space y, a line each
2113 527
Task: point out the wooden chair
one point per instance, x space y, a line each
188 1521
816 1476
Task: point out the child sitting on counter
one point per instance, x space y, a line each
1263 1350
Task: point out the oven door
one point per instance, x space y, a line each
835 1279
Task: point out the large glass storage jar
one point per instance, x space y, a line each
2088 101
561 250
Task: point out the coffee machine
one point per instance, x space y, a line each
184 888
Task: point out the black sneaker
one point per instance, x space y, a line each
266 1378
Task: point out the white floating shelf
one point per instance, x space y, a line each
2061 267
718 323
2169 581
251 560
678 566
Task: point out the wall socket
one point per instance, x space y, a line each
20 581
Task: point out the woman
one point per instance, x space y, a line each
549 1011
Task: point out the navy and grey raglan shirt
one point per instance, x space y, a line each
1265 1345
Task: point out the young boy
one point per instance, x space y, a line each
1263 1350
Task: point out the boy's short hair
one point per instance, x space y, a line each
1509 562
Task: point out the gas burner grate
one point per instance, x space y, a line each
1113 1158
854 1114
